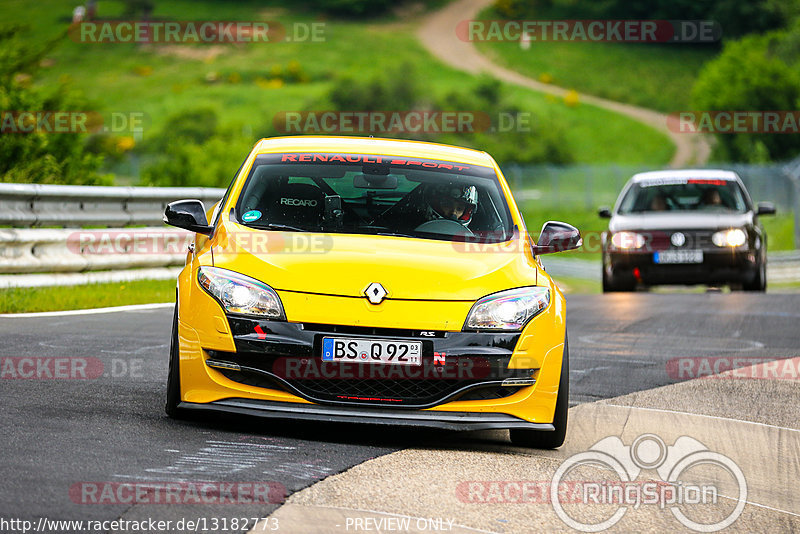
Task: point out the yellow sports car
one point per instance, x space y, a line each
372 281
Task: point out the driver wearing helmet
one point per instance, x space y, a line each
454 202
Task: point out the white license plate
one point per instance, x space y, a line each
340 349
678 256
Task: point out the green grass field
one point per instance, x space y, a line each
40 299
650 75
161 80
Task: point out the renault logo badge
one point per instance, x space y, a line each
375 293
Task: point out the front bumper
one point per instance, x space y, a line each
206 333
335 414
286 357
718 267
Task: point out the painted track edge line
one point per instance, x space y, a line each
89 311
701 415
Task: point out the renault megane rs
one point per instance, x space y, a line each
371 281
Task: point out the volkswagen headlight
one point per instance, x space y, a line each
508 310
729 238
627 240
240 294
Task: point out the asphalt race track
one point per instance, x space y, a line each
60 433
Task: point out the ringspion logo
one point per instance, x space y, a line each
682 468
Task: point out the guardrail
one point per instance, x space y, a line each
36 205
47 236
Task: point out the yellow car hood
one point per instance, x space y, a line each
345 264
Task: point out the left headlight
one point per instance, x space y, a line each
241 294
729 238
507 310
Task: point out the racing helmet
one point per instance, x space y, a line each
444 201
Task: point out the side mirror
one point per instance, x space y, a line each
189 215
604 212
765 208
557 237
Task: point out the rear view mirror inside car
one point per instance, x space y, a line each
374 181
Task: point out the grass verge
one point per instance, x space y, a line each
577 286
40 299
240 82
656 76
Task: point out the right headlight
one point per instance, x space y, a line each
508 310
241 294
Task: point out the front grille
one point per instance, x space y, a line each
401 391
326 382
693 239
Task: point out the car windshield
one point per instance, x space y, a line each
367 194
683 195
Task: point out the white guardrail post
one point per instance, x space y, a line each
43 229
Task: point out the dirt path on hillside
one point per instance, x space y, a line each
438 35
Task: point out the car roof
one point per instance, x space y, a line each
703 174
373 145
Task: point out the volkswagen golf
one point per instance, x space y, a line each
685 227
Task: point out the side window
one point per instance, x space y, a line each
215 215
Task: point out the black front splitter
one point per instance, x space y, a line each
376 416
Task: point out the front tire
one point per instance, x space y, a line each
611 287
174 375
540 439
759 282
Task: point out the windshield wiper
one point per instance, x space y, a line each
274 226
395 234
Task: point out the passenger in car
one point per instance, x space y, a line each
657 203
711 197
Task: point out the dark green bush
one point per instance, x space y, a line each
736 17
750 76
193 150
399 90
39 157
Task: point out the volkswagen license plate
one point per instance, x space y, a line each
678 256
